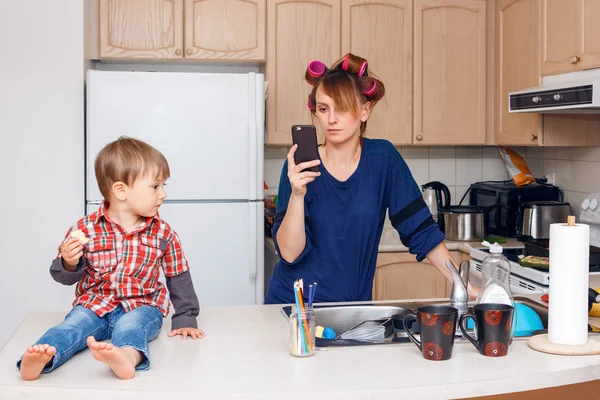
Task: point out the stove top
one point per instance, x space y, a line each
513 253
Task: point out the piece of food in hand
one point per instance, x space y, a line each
542 263
81 236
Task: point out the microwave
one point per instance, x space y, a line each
504 200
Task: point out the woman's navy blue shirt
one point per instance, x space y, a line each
344 221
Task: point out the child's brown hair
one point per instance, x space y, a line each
125 160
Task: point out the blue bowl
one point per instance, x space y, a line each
526 319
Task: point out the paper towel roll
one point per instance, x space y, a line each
569 280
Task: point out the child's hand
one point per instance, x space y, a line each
71 251
194 333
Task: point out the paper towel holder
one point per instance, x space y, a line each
542 344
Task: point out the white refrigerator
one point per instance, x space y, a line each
210 127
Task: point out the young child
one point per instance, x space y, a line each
116 268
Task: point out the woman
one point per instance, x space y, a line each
329 223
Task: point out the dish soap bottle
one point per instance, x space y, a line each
495 278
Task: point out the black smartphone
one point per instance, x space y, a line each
305 136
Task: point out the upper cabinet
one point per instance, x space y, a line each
141 29
178 29
382 32
298 32
430 54
518 67
449 71
569 35
225 29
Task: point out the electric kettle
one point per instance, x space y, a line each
436 196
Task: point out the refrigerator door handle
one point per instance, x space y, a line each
252 239
256 141
257 255
252 139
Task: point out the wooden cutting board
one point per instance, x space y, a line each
541 343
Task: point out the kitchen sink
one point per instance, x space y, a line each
342 318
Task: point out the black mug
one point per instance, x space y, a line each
493 323
438 326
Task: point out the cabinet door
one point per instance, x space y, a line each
381 32
517 57
449 71
225 29
399 276
561 36
141 29
590 57
298 32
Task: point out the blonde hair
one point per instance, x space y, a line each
125 160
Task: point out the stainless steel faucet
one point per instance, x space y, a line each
459 296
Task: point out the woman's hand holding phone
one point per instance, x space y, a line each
297 175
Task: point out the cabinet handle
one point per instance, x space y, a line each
419 137
188 52
533 137
178 52
575 59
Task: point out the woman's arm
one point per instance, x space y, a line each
291 235
438 256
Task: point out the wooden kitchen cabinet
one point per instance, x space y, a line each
297 33
148 29
399 276
225 29
449 72
155 29
518 67
382 32
569 35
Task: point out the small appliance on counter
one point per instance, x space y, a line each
505 199
459 223
535 217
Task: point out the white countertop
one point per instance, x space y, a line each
245 354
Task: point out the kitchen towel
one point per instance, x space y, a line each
569 279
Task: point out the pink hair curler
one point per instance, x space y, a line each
371 90
363 68
311 106
345 62
316 69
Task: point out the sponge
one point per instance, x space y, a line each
319 331
329 333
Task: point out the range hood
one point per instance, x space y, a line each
570 93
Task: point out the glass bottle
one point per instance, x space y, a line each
302 332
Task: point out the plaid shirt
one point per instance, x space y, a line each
122 268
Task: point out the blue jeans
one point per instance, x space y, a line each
126 329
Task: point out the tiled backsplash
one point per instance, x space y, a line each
576 169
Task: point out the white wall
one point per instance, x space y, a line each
41 150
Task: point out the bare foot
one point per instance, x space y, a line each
120 361
35 359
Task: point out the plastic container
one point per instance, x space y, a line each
302 332
495 279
